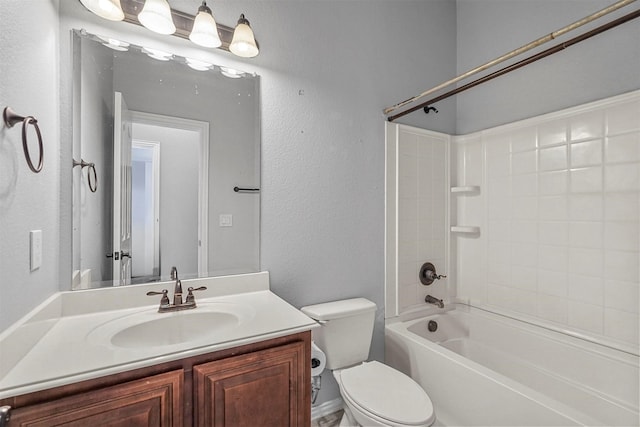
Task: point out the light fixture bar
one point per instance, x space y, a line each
183 22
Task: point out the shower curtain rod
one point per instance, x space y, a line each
514 52
522 63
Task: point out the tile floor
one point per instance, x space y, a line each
333 420
330 420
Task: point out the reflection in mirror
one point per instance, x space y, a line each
170 138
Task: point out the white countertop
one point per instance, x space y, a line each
61 341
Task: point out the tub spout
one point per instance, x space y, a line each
433 300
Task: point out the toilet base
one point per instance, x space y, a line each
347 419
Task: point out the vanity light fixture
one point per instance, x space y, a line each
156 16
107 9
205 29
201 29
244 42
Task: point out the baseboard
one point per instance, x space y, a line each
326 408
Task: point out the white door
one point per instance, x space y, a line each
121 192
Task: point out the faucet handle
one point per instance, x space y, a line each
165 298
428 274
190 297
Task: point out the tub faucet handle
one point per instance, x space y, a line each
428 274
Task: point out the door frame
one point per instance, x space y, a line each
203 174
154 146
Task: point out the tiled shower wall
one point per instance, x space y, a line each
422 186
559 217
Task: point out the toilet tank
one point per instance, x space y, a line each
345 332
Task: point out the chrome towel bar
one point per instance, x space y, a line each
246 190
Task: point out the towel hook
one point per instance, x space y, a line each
10 119
93 183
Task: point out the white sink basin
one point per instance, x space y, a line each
145 329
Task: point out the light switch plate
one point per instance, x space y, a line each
35 246
226 220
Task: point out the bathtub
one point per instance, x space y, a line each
485 369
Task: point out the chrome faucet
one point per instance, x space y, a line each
433 300
178 304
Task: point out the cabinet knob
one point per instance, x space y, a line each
5 415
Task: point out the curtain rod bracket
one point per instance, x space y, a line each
430 108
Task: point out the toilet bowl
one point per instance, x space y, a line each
378 395
374 394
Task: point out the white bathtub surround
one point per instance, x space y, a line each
485 369
67 338
559 213
417 196
543 227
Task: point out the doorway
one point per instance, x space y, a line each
170 159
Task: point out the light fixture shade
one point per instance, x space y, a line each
114 44
243 43
231 73
198 65
156 16
158 54
205 30
107 9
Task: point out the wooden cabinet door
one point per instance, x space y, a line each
152 401
259 389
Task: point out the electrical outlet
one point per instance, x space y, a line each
35 245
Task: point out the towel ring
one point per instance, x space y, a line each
10 119
93 183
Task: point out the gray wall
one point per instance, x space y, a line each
605 65
29 84
328 69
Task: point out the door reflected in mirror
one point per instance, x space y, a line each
169 144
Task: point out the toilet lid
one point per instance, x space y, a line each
387 393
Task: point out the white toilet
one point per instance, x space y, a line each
374 394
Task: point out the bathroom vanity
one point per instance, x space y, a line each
94 366
266 383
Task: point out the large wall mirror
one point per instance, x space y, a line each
167 166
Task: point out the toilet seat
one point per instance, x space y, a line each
387 395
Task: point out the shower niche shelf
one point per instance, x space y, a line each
465 229
466 189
